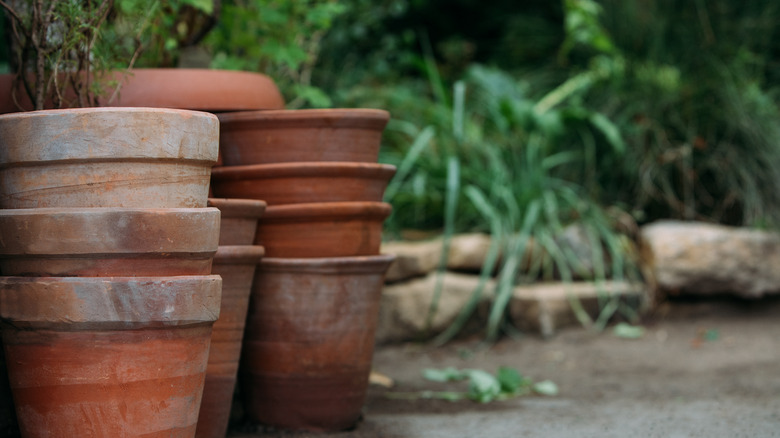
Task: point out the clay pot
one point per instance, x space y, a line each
262 137
325 229
104 242
239 219
109 357
309 340
107 157
236 265
192 89
294 183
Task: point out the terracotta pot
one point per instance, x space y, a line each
236 265
104 242
325 229
309 340
109 357
107 157
239 219
294 183
193 89
261 137
8 425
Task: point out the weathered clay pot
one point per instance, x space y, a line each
108 357
8 425
261 137
193 89
104 242
294 183
309 340
236 265
239 219
107 157
325 229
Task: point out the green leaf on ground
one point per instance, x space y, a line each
628 331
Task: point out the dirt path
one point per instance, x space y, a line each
709 370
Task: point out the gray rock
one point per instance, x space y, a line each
468 252
413 259
546 307
404 307
705 259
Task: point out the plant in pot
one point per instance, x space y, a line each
121 185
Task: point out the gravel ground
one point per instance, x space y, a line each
702 369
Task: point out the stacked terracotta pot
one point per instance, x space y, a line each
310 330
235 262
107 300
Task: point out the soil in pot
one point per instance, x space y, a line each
109 357
295 183
262 137
325 229
107 157
309 340
104 242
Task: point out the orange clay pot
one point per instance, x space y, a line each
309 340
104 242
107 157
262 137
294 183
192 89
239 219
236 265
107 357
325 229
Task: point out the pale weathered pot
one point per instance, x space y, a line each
236 265
108 357
294 183
309 340
239 219
261 137
193 89
325 229
107 157
104 242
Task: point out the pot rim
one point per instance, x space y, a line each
371 264
85 303
103 109
239 254
339 169
366 118
317 211
237 207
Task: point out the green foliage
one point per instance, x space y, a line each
484 387
276 37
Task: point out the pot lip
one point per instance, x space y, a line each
368 118
238 208
324 210
77 303
9 117
365 263
97 211
239 254
343 169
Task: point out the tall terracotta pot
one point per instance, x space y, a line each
105 242
323 229
262 137
108 357
107 157
235 262
236 265
309 340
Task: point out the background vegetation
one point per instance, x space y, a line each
521 119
